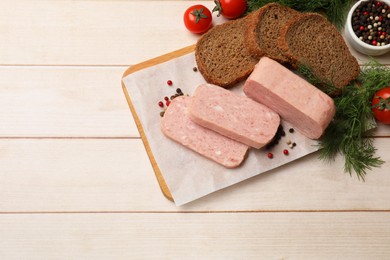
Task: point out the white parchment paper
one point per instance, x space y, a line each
188 175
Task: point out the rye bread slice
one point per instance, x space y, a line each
222 56
263 30
311 40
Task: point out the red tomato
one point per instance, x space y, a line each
230 9
198 19
381 105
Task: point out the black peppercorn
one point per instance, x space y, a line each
275 141
370 22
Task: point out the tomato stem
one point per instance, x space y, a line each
199 14
217 8
383 104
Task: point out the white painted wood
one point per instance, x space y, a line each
106 175
69 102
69 146
64 102
72 32
92 32
358 235
77 175
382 130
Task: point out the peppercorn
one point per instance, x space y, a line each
370 17
270 155
279 134
160 104
169 82
285 152
195 69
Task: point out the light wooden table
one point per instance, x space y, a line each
76 182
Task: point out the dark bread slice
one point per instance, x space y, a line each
311 40
222 56
263 30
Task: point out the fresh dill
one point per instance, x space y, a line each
322 83
334 10
349 132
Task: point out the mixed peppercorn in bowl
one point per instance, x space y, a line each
367 27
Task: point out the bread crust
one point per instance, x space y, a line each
251 31
255 22
345 57
282 42
228 53
246 66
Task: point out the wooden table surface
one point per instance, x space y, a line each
76 182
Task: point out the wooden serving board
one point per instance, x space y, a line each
144 65
170 56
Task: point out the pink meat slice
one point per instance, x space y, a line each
177 125
237 117
307 108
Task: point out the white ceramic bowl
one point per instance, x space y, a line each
358 44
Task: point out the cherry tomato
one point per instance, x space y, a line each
381 105
198 19
230 9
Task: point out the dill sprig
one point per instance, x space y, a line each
334 10
322 83
348 134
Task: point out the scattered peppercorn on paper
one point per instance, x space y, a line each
188 175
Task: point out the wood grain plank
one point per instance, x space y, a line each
359 235
92 32
95 32
382 130
75 174
68 102
115 175
64 102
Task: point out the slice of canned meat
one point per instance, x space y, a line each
297 101
177 125
232 115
